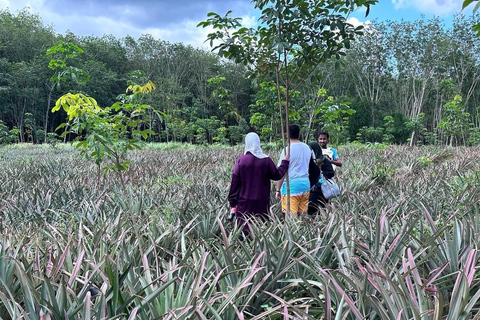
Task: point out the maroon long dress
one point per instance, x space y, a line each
250 186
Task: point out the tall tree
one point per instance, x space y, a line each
24 40
369 64
291 39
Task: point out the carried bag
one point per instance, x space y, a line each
330 188
313 172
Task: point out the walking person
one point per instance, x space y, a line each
249 194
330 153
300 156
316 199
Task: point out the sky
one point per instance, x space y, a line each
176 20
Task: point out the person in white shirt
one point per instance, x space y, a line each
300 155
330 153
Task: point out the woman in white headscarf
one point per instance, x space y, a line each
250 187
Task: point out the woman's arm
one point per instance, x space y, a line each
235 185
278 185
278 173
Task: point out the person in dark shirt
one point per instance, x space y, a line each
316 199
249 194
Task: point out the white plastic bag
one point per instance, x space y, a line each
330 188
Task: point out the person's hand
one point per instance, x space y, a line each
278 195
231 215
287 157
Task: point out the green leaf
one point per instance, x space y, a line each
466 3
476 7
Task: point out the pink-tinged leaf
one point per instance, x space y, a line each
147 272
265 314
399 315
133 314
225 239
364 246
413 267
238 312
374 283
172 314
87 304
374 272
49 267
429 218
437 311
61 261
409 282
360 266
390 249
328 302
96 269
284 305
382 223
256 288
456 287
349 301
202 269
75 270
436 274
433 288
470 266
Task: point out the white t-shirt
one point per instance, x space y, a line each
300 154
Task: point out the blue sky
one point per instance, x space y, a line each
414 10
175 21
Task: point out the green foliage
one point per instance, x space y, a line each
389 129
297 29
332 116
416 126
424 161
455 121
370 134
237 133
263 116
465 4
396 69
58 63
110 132
6 135
223 97
102 133
291 39
206 130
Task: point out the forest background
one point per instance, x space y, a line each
400 82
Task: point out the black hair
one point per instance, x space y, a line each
322 133
294 131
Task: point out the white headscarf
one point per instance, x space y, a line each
252 145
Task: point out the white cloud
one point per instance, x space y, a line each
249 21
123 20
436 7
355 22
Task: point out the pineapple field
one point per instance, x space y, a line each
153 242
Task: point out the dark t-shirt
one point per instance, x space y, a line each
250 186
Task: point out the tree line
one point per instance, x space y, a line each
399 82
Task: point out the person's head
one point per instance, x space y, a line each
252 145
252 140
294 131
322 138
